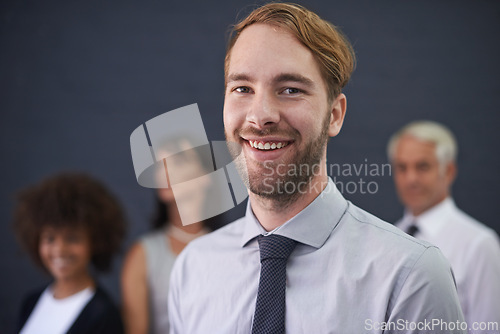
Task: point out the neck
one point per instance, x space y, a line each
173 215
272 213
174 219
63 288
418 211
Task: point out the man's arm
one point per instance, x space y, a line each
427 301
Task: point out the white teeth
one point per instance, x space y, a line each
60 262
266 146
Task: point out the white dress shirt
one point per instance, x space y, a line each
350 273
56 316
473 250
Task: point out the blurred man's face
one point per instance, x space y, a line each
276 107
420 182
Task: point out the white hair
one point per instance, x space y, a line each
428 131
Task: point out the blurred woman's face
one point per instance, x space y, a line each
183 167
65 252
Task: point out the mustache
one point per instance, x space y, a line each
269 131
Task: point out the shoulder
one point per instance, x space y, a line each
478 244
420 272
377 246
135 260
155 245
226 236
100 315
104 303
211 248
372 229
102 299
33 296
136 251
145 246
471 228
208 257
152 236
28 305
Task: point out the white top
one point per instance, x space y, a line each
349 273
56 316
159 262
473 250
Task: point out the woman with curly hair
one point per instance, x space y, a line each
66 224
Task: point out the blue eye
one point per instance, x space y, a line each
291 91
242 89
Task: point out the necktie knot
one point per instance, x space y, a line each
275 246
412 230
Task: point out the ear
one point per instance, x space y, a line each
451 172
338 109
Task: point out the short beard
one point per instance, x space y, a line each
268 187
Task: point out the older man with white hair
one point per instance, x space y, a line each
423 155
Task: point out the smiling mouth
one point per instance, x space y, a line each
268 145
61 263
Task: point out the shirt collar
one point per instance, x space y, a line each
312 226
431 221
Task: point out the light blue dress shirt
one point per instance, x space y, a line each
350 273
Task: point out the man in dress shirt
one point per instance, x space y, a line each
423 154
350 272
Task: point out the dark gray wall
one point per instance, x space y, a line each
77 78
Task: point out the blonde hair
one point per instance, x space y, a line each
428 131
329 46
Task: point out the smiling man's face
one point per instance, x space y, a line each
276 107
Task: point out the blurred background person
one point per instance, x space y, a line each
423 155
146 270
66 223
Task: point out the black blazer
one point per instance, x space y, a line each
100 315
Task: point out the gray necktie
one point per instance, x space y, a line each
269 317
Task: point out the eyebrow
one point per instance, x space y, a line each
283 77
239 77
293 77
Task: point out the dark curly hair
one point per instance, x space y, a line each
71 200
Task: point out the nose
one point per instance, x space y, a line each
59 246
411 176
264 110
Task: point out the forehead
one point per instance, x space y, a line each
65 229
412 149
264 50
